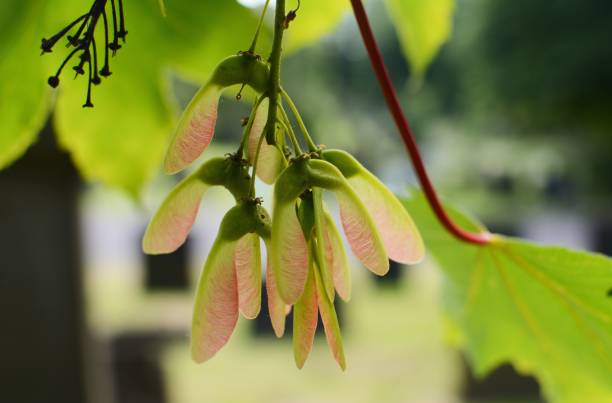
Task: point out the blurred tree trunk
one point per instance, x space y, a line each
40 279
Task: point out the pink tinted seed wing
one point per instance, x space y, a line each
397 230
195 129
337 259
319 247
172 222
259 122
289 252
305 316
330 323
276 306
216 306
270 163
247 261
270 160
362 236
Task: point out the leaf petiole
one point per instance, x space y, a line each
249 125
259 25
289 130
311 144
380 69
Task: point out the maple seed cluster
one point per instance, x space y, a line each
83 43
306 262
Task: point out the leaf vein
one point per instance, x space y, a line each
553 285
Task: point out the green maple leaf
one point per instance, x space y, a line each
122 140
422 26
24 101
547 310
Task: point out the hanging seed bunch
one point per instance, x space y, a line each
80 35
307 266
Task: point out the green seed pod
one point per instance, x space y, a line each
238 221
228 172
246 217
263 223
306 215
325 175
294 180
242 69
237 179
344 161
212 172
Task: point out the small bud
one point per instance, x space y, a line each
105 72
242 69
96 80
291 15
53 81
73 40
114 46
46 45
78 69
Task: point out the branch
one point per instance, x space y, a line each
401 122
275 61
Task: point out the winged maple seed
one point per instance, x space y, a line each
306 261
197 125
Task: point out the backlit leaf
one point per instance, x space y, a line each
423 26
544 309
315 18
24 92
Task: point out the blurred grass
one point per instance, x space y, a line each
393 341
394 353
